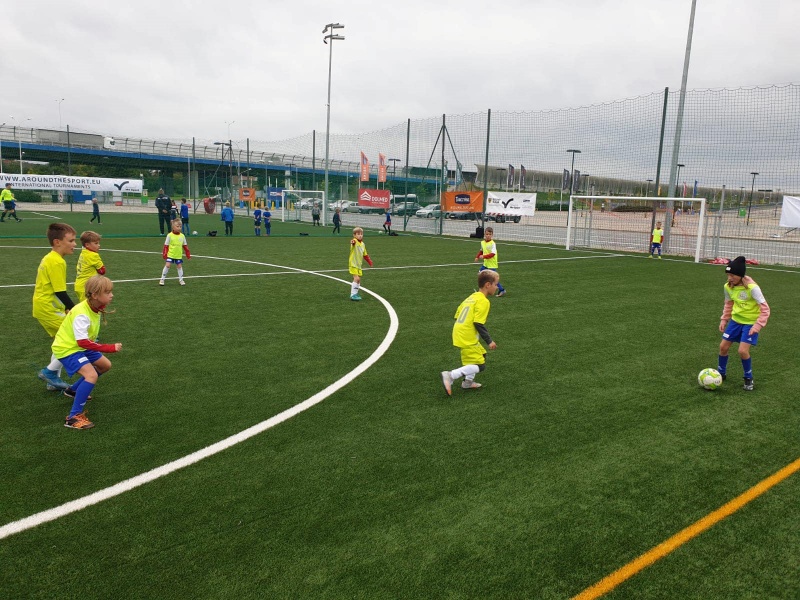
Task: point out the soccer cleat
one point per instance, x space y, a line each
447 382
651 256
659 257
52 379
70 393
724 377
161 282
79 421
355 297
748 384
470 385
183 282
503 293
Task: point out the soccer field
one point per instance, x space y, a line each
589 444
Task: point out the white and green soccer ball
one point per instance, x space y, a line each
709 379
194 233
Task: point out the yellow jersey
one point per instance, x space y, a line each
658 235
176 242
50 278
357 252
475 309
89 263
489 248
81 319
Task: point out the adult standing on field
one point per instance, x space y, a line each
164 206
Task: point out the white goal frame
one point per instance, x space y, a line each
595 202
302 194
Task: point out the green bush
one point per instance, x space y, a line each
27 196
632 208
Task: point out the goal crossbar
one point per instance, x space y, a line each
610 222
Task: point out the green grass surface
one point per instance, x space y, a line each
589 443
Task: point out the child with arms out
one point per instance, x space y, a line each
74 345
469 329
50 298
744 314
174 248
358 254
488 253
89 262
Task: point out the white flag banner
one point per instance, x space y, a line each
67 182
510 203
790 213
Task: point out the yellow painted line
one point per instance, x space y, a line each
608 583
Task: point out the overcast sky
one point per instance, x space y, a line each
174 69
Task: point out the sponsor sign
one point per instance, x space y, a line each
510 203
462 202
373 198
67 182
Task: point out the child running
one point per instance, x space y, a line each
174 248
358 254
387 223
89 262
50 298
744 314
75 347
488 253
469 329
655 240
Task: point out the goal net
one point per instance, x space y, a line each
626 224
300 205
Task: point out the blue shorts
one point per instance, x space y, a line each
177 261
74 362
483 268
739 334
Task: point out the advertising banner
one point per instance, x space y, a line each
364 167
470 202
377 199
511 177
67 182
522 174
790 212
247 194
275 196
511 204
381 168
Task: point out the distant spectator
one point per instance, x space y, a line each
163 206
227 216
95 212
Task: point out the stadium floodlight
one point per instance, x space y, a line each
19 140
331 36
750 204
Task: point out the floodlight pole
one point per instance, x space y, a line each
750 204
331 36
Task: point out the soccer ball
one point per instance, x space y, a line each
194 233
709 379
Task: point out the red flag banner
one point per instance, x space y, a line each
381 168
364 167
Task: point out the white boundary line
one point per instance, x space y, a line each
127 485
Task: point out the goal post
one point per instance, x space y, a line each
298 205
626 223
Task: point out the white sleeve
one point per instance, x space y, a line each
166 240
80 327
758 295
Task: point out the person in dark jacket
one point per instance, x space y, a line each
164 206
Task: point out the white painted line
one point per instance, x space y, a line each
52 514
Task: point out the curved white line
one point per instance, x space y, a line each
125 486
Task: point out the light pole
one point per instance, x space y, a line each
750 204
1 149
647 190
586 189
229 123
678 177
59 111
394 162
331 36
572 171
741 194
19 141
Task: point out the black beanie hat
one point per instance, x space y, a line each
737 266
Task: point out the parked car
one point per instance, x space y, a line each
432 211
406 208
340 204
503 218
467 216
305 204
365 210
349 207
